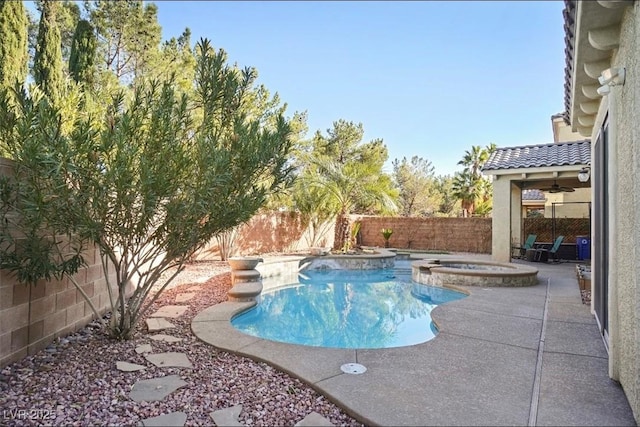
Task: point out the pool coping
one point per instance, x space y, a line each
481 369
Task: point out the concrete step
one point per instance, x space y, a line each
245 291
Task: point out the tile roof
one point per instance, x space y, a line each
544 155
569 15
532 194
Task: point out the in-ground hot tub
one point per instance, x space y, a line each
441 272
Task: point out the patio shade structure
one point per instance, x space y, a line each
515 169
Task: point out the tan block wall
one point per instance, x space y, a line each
32 316
444 234
273 232
283 232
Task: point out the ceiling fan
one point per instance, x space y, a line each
555 188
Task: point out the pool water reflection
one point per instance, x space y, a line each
347 309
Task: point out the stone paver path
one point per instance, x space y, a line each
165 338
129 367
144 348
227 416
314 419
158 324
169 359
185 297
172 311
174 419
155 388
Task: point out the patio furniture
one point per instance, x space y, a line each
528 244
544 254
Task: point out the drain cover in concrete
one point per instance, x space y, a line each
158 324
169 359
156 388
185 297
174 419
314 419
353 368
129 367
144 348
227 416
165 338
170 311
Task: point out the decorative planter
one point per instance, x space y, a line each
244 263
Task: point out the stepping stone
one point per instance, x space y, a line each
129 367
158 324
156 388
227 416
195 288
165 338
170 311
169 359
176 419
312 420
144 348
185 297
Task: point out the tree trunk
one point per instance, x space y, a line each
342 234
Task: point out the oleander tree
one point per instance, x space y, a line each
148 183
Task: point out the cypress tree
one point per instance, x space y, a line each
83 53
14 55
47 62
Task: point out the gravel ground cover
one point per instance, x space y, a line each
75 381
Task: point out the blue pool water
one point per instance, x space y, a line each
347 309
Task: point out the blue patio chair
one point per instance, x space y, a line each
528 244
544 254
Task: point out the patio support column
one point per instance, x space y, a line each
501 220
516 215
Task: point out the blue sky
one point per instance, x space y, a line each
429 78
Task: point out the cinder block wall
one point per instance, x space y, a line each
283 232
32 316
274 232
444 234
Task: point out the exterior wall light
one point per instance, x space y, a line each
610 77
583 175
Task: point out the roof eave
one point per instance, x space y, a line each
540 172
591 44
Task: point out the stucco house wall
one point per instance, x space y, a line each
624 115
569 205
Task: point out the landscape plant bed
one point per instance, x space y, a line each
74 381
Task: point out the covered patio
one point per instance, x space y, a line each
546 166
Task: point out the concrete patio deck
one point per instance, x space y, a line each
503 356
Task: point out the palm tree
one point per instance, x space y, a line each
348 185
467 189
469 185
474 159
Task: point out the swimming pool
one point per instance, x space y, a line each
347 309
